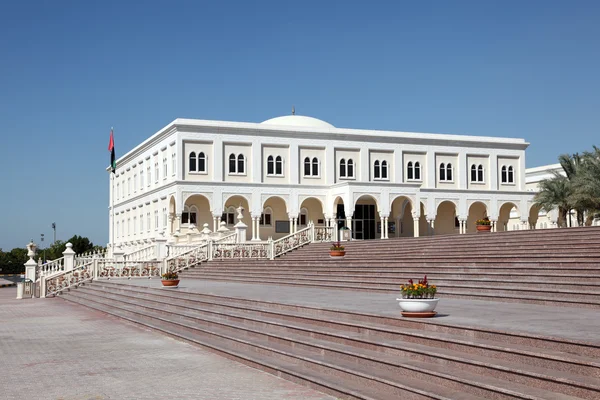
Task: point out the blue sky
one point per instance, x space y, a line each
69 70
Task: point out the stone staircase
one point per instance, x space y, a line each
357 355
553 267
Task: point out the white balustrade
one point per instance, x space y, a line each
324 234
188 258
127 269
144 254
221 251
51 267
231 238
292 241
56 283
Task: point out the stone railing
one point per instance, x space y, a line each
176 250
189 258
108 269
145 253
231 238
56 283
292 241
324 234
222 251
90 255
51 267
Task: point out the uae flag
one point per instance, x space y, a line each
111 148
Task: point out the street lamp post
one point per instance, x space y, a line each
54 228
44 256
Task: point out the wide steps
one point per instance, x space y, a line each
342 350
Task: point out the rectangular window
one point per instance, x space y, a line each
164 217
135 183
265 219
156 172
156 220
141 222
142 180
148 222
135 225
302 219
149 175
174 163
117 232
117 192
165 173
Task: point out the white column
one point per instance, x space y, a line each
385 228
216 223
291 225
416 226
493 222
295 224
431 226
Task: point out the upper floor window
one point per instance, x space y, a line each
165 168
173 163
117 192
135 183
149 173
141 223
445 172
142 179
128 186
311 168
413 171
237 164
477 173
350 169
343 168
197 163
380 170
156 219
189 215
508 174
274 166
156 172
266 217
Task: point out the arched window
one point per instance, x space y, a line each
511 175
278 165
342 168
350 171
480 173
270 165
192 162
232 165
315 166
376 170
189 215
417 171
442 172
303 217
473 173
229 216
449 172
241 164
266 217
409 171
307 166
201 162
384 170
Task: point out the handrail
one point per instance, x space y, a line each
143 254
51 267
292 241
240 250
196 255
56 283
231 238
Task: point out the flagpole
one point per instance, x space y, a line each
112 206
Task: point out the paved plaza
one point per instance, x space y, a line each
52 349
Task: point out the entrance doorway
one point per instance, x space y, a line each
363 221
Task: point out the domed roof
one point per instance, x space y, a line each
298 120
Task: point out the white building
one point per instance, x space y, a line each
293 169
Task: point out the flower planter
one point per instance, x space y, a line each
170 282
418 307
484 228
337 253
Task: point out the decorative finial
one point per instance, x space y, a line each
293 110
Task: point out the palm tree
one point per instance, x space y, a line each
572 165
585 192
554 193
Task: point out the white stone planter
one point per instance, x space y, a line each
418 305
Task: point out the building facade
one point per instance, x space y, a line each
292 170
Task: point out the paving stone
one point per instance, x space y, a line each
51 349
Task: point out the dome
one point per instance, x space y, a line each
299 121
